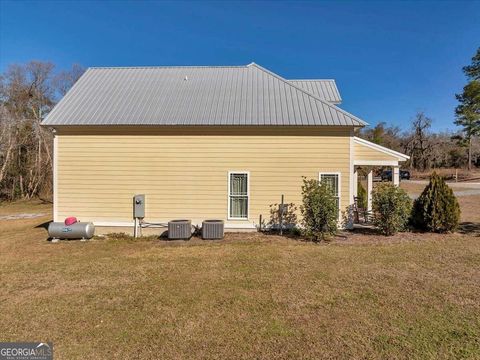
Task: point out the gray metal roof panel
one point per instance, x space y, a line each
196 95
325 89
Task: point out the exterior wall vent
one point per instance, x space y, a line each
212 229
179 229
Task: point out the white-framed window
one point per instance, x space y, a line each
333 181
238 195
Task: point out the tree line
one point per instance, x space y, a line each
28 92
428 149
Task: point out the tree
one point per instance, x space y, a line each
418 144
468 111
384 135
437 208
64 80
27 94
473 71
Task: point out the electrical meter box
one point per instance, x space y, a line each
139 206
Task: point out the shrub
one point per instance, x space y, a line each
391 208
437 208
362 196
319 210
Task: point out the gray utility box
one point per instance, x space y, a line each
139 206
212 229
79 230
179 229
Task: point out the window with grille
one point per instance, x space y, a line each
333 183
238 195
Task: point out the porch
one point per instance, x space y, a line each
370 156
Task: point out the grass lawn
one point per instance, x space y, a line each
412 296
416 189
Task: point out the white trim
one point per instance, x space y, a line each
355 184
339 195
243 225
248 194
369 190
55 177
402 157
352 184
246 225
396 176
376 162
353 179
114 223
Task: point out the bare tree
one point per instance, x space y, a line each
27 93
64 80
418 144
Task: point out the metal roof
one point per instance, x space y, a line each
324 89
231 95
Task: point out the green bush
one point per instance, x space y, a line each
391 207
437 208
319 210
362 196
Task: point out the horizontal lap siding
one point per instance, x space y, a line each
363 152
185 176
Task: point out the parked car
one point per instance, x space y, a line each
387 175
404 174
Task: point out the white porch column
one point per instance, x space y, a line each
396 175
369 190
355 183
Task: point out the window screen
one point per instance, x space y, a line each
238 196
333 183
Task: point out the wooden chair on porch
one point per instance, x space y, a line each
361 212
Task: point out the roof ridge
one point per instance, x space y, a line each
168 66
309 94
311 80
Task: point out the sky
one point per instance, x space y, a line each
389 59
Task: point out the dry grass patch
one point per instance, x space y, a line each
248 296
19 207
447 173
416 189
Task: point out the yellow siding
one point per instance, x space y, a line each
363 152
184 171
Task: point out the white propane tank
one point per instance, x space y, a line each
79 230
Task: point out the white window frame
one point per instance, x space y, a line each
339 174
242 172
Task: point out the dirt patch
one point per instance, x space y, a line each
21 216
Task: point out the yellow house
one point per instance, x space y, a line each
201 143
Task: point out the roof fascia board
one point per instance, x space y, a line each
376 162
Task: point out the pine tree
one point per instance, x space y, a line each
473 71
468 111
437 208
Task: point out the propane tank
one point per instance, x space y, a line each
79 230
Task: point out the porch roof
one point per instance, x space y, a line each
369 153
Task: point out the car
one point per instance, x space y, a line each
387 175
404 174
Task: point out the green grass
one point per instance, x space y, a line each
250 296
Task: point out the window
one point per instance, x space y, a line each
238 195
333 182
